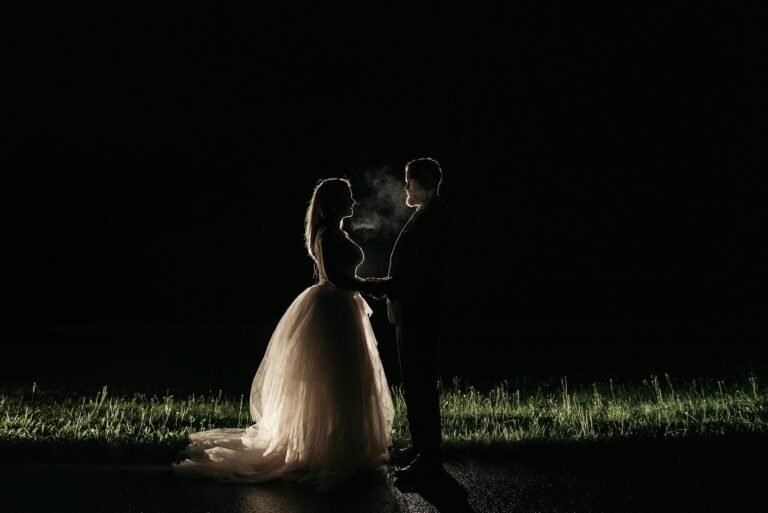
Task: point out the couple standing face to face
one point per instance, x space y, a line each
415 195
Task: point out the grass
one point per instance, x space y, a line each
50 426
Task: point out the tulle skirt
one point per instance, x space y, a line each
320 402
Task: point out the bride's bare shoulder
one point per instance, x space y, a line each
330 235
330 231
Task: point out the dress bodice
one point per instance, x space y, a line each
336 252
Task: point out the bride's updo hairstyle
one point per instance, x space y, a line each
327 205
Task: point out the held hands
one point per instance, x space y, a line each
377 287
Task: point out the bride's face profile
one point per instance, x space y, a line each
349 208
342 206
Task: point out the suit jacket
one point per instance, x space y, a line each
417 265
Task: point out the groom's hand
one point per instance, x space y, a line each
377 287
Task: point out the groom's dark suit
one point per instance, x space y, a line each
416 306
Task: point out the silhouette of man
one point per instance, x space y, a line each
415 296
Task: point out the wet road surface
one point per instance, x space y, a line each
675 476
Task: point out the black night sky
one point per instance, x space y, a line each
603 168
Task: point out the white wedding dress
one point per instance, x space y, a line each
320 403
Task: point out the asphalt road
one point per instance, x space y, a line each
674 476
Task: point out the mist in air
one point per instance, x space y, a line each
380 211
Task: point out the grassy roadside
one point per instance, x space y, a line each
40 425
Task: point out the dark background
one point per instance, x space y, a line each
603 167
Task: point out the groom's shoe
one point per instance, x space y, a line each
402 456
420 469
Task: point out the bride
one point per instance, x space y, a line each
320 403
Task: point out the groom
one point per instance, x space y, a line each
415 297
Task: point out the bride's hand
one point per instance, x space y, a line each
376 287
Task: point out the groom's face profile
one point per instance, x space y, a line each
414 192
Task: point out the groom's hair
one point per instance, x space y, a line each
426 171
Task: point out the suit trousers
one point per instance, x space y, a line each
417 346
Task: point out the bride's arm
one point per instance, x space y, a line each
330 247
380 287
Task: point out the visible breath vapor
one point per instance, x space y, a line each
380 210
